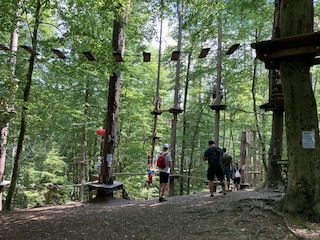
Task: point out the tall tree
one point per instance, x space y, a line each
23 121
111 123
274 171
7 107
176 109
301 116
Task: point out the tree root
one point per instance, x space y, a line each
261 206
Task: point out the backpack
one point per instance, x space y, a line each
161 163
237 174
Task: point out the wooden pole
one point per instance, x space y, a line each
218 85
157 102
176 107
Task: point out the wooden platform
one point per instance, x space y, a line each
112 187
272 106
272 52
218 107
175 110
158 112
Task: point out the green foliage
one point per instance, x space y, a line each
45 181
58 111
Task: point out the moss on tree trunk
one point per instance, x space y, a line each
300 114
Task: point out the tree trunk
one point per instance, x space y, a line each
4 127
185 125
110 138
301 117
23 122
218 83
257 126
83 160
274 171
274 176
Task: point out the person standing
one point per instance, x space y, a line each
226 166
213 155
237 176
164 172
149 182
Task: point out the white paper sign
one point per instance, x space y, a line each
308 140
109 160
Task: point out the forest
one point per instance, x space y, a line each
57 58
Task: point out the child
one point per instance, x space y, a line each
237 176
149 182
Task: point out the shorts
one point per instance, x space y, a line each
236 180
227 173
215 171
164 177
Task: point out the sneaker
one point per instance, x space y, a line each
211 195
224 194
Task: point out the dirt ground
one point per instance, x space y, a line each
238 215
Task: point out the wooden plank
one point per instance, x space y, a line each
175 55
58 53
89 56
3 47
218 107
30 50
146 56
204 52
233 48
273 51
175 110
312 49
115 186
288 42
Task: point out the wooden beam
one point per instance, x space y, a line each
146 57
58 53
218 107
30 50
233 48
204 52
3 47
89 56
175 55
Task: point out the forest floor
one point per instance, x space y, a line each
238 215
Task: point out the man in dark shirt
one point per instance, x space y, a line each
226 166
213 155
